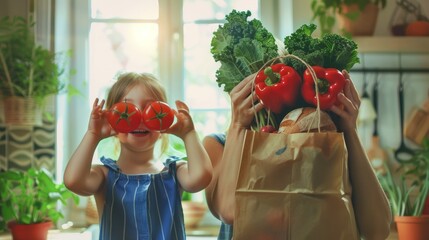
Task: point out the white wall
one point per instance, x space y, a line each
416 86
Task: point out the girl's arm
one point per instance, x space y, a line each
221 191
367 194
197 173
79 176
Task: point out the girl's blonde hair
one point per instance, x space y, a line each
126 81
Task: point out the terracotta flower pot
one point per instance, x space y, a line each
426 207
364 25
412 227
37 231
193 213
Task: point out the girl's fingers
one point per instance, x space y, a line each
182 106
95 103
102 103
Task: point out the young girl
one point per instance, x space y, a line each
137 197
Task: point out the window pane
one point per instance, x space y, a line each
208 102
201 89
131 9
120 47
207 122
215 9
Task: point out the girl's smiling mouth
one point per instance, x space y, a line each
140 132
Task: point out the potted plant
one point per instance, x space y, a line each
417 166
349 13
28 72
407 194
193 211
28 202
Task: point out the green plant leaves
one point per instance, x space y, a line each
26 69
401 191
31 196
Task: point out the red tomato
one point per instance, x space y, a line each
268 129
158 116
124 117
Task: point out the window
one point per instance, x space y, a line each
121 38
127 39
210 106
168 38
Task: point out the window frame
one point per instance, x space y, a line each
72 126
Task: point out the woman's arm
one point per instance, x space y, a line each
215 151
371 206
221 191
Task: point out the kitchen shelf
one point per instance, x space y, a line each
390 44
390 70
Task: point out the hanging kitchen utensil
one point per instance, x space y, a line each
366 113
403 153
413 7
417 127
376 154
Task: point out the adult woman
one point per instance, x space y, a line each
368 197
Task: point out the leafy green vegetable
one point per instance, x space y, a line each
406 199
242 47
330 51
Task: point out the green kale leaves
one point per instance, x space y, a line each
329 51
242 47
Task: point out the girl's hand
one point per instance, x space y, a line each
243 103
98 124
184 123
351 101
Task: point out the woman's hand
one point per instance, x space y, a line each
244 104
349 111
98 125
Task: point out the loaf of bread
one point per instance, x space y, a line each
301 119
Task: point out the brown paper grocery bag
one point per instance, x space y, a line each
294 186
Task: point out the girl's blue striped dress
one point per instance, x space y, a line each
140 207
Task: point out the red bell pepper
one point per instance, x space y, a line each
330 82
277 87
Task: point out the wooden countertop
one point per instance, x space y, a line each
214 231
203 231
71 234
393 236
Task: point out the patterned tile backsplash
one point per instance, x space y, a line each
22 147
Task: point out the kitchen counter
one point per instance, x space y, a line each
70 234
211 232
203 233
393 236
